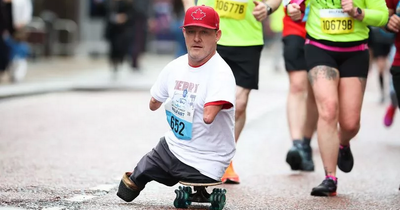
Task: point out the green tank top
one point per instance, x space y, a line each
327 21
237 23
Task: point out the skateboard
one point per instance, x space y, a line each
185 197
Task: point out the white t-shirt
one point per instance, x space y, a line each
185 90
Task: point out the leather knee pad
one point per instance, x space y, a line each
127 189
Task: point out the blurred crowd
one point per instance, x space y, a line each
36 28
14 16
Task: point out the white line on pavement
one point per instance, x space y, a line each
55 208
80 198
104 187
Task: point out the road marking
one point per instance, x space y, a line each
104 187
55 208
80 198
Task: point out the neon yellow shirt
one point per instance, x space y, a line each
238 25
276 19
327 21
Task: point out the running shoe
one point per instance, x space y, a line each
326 188
388 120
294 157
307 161
230 176
345 159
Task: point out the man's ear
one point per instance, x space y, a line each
219 34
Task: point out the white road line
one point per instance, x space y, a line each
55 208
80 198
104 187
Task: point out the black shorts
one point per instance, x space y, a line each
349 64
379 42
380 50
162 166
244 62
293 53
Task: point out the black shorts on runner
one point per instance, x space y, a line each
162 166
244 62
349 64
380 50
379 42
293 53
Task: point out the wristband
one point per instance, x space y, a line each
269 9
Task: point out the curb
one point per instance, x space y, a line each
37 89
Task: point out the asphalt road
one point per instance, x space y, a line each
69 151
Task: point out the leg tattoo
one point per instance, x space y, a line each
326 72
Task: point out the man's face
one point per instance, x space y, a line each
201 43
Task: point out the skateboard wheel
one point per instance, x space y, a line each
217 200
188 190
181 200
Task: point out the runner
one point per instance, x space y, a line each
198 92
336 52
394 26
300 103
380 43
240 46
391 110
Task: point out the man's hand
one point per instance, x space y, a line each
348 7
394 23
260 11
293 11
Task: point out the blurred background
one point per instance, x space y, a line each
111 32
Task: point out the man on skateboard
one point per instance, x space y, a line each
198 92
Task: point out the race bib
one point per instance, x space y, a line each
231 9
335 21
180 111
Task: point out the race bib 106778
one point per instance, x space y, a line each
235 9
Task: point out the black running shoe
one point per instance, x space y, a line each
326 188
307 163
294 157
345 159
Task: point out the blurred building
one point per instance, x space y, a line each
74 27
67 27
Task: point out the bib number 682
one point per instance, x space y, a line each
177 126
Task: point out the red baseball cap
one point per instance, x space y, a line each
203 16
